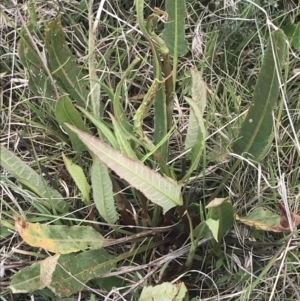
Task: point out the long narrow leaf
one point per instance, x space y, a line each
117 105
123 141
28 177
174 35
66 112
63 64
104 131
199 145
96 103
103 192
79 178
160 190
257 127
38 82
199 97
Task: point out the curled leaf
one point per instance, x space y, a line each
264 219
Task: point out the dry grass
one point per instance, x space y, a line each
227 40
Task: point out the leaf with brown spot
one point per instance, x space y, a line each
284 222
63 274
264 219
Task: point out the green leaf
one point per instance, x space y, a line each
219 219
66 274
109 283
63 64
174 35
103 192
28 177
160 121
196 133
213 226
292 31
75 271
59 239
123 140
95 94
66 113
220 209
202 230
119 112
105 133
4 232
262 219
79 178
160 190
39 83
63 274
258 125
164 292
182 292
199 97
27 280
199 146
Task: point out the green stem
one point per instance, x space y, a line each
169 89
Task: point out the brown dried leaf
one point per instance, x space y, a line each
284 222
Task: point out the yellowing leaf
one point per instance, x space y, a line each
79 178
262 219
165 291
48 266
215 202
59 239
